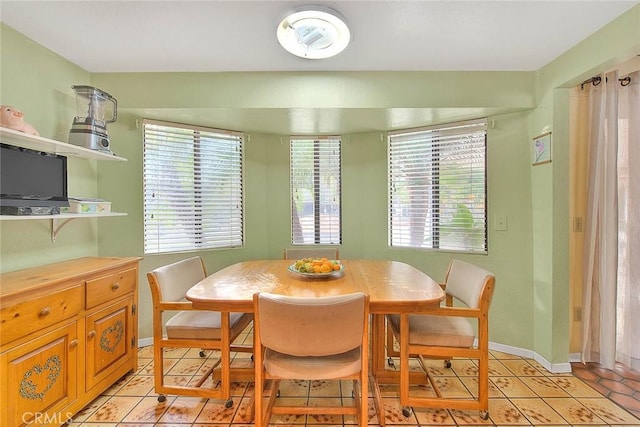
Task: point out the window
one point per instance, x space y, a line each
193 196
315 190
437 187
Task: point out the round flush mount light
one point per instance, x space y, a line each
313 32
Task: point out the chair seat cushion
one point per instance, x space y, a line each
312 367
441 331
195 324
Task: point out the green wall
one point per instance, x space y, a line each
38 83
612 45
364 183
530 307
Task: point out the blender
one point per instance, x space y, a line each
89 127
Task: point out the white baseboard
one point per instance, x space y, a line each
145 342
575 357
516 351
556 368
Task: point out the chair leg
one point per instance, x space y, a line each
483 384
377 401
257 400
481 402
363 400
207 374
274 393
158 370
404 364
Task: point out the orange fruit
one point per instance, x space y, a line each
326 268
317 268
336 267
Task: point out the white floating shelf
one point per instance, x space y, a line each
60 220
62 216
32 142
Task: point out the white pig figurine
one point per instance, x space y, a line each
12 118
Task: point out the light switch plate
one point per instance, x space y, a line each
500 223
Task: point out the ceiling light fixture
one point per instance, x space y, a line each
313 32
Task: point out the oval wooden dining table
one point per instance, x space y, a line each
393 287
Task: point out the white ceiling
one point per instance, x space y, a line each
180 35
404 35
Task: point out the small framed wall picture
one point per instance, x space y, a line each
541 149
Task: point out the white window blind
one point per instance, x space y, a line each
193 195
315 190
437 187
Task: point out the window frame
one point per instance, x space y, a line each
200 227
317 193
434 207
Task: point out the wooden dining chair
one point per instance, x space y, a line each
447 332
299 253
315 338
190 328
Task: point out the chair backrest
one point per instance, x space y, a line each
313 326
467 282
299 253
174 280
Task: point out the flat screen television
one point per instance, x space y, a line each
30 178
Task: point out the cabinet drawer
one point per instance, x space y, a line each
106 288
31 315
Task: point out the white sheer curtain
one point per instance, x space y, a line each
628 333
611 300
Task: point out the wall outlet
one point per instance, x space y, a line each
578 224
501 223
577 316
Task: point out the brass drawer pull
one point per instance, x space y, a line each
73 343
91 334
45 311
115 286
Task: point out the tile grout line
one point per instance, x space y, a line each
500 370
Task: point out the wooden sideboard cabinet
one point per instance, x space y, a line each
68 331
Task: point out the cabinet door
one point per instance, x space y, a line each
39 379
110 343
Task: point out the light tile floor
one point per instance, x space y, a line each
522 392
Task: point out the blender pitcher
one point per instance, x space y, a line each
89 127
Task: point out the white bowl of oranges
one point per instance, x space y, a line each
316 267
